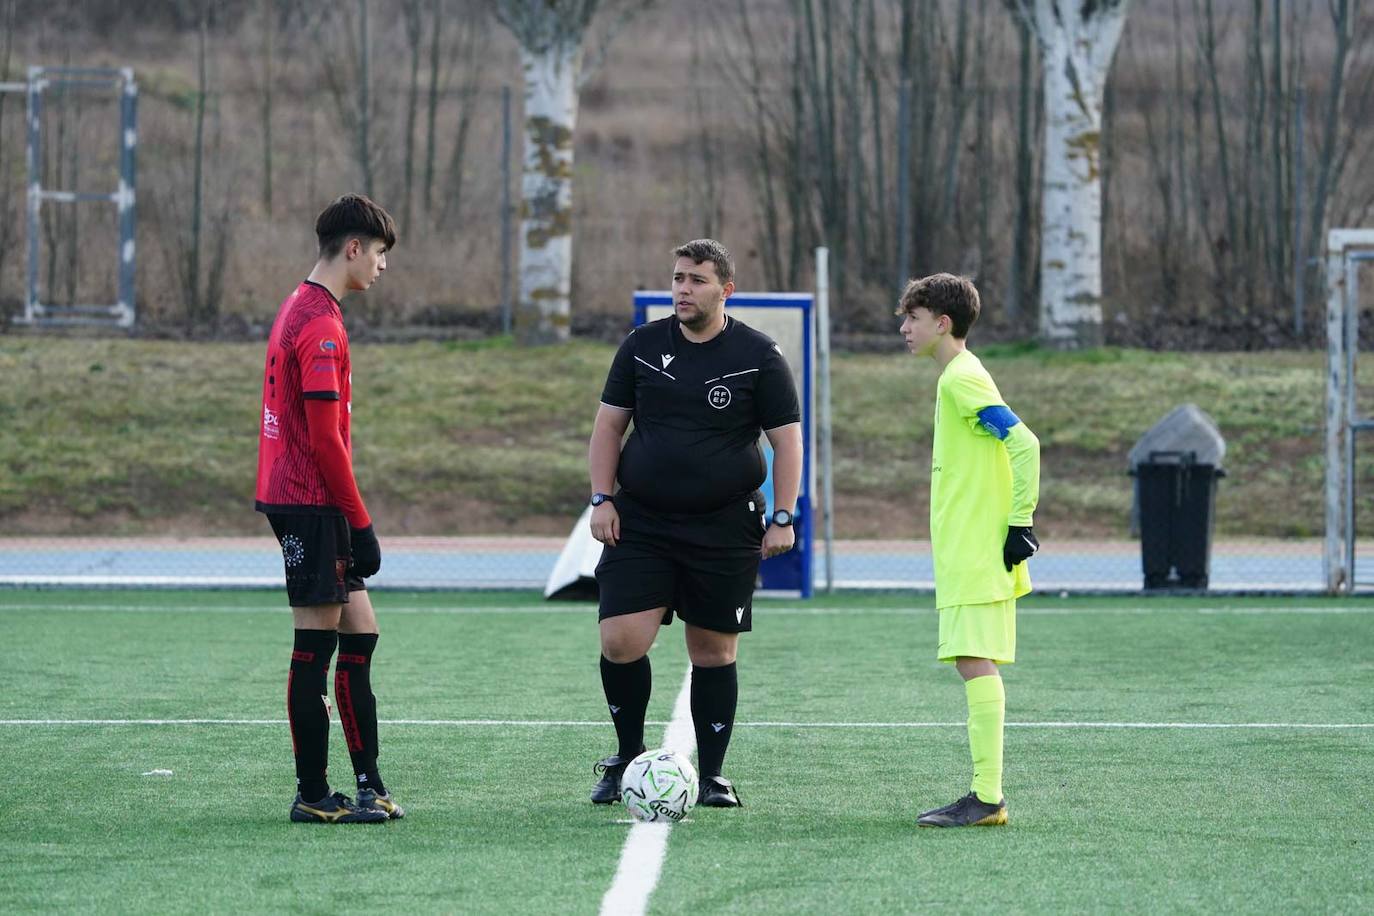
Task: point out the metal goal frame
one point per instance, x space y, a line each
1346 250
121 313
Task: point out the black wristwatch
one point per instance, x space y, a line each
599 498
782 518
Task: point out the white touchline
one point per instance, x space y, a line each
278 608
590 723
764 609
641 860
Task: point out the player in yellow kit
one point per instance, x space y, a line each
984 485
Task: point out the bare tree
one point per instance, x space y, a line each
1077 44
704 151
817 63
436 30
551 35
413 17
1019 283
1328 167
748 73
269 28
364 99
467 71
195 237
345 69
906 66
193 301
878 250
8 222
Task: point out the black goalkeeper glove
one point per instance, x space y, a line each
366 552
1021 545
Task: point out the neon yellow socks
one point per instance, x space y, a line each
987 705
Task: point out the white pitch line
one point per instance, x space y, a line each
641 860
278 608
688 743
1142 610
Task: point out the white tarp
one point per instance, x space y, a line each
574 575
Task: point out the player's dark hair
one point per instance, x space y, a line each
703 250
944 294
353 216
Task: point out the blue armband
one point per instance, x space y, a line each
998 420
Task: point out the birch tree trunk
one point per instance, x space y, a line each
1077 43
543 312
551 35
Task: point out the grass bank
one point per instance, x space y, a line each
124 437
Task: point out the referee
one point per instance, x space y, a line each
687 528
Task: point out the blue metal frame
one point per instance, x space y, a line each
795 570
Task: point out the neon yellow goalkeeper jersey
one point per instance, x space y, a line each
971 488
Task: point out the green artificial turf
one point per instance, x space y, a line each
847 729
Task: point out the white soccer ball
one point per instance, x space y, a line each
659 785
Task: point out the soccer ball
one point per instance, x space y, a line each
659 785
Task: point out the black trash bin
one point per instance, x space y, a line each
1177 505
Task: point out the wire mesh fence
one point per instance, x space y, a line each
1245 565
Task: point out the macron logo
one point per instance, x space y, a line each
667 359
615 709
739 615
718 726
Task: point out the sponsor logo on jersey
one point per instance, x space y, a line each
327 345
718 397
271 424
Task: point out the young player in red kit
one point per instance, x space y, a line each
307 490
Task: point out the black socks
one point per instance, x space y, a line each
627 690
715 692
306 711
358 706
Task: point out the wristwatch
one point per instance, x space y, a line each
782 518
599 498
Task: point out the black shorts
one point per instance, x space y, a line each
702 567
316 553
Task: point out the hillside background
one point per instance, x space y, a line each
1235 133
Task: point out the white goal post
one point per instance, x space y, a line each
1346 249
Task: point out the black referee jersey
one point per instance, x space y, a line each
698 411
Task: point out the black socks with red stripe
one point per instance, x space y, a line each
358 707
715 693
306 711
627 689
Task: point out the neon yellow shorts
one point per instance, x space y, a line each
979 631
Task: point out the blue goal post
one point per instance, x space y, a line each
788 319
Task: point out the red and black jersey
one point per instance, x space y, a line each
307 358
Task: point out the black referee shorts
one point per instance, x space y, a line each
315 549
703 567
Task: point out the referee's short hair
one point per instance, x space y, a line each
353 216
944 294
703 250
